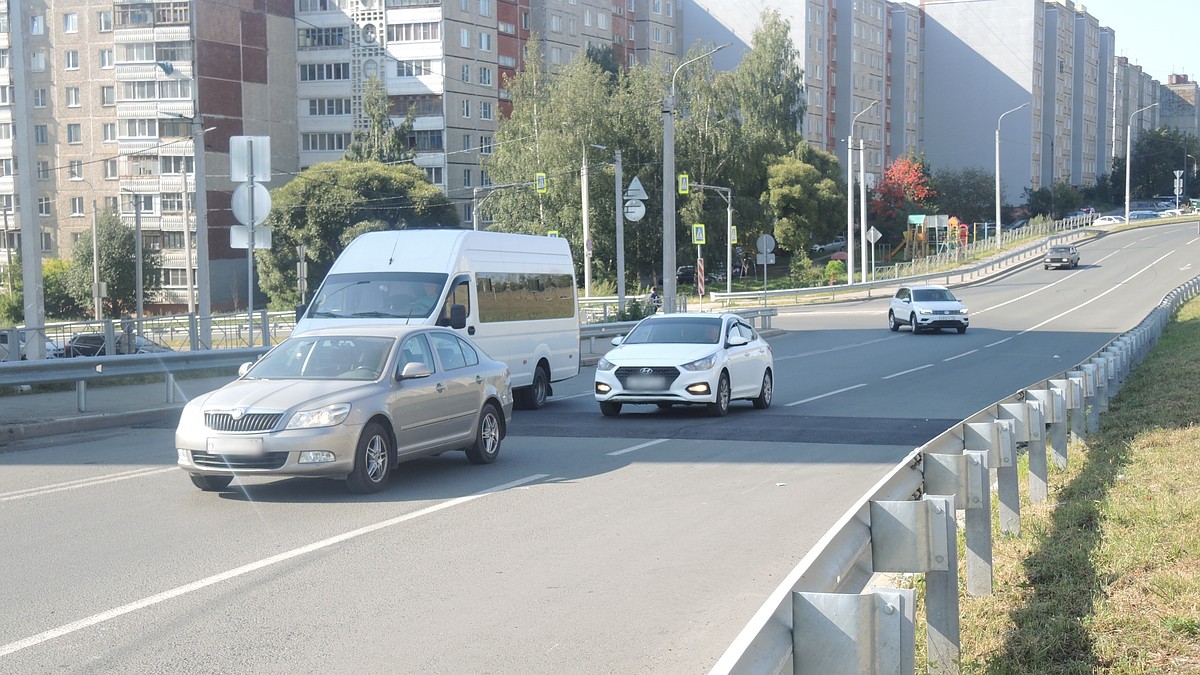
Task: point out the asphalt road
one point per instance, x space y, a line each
641 543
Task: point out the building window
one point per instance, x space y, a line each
466 108
177 164
466 142
317 72
485 42
434 174
37 24
109 130
105 58
108 95
74 133
41 134
6 96
485 110
76 206
43 170
325 107
173 51
172 202
71 59
425 140
47 242
141 165
75 169
485 7
72 97
324 142
4 56
70 22
466 72
320 38
485 75
37 61
555 24
43 206
414 68
316 5
466 178
110 169
414 32
6 166
104 22
485 145
464 37
6 131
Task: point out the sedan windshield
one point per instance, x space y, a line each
682 330
324 358
1060 250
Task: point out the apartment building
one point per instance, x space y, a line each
115 87
1180 102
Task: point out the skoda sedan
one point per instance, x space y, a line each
927 308
687 359
348 403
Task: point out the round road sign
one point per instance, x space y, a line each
241 203
634 210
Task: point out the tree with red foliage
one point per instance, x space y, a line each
906 188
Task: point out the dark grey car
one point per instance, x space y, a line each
1061 257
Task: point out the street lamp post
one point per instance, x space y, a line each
1185 173
619 206
998 170
668 111
1129 151
850 194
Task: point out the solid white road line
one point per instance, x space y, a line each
960 355
638 447
86 622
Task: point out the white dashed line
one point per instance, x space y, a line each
910 370
960 355
638 447
819 396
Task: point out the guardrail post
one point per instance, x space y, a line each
921 536
844 633
110 337
170 380
1077 404
966 477
1059 392
265 320
1103 375
1091 394
1007 482
1039 488
81 395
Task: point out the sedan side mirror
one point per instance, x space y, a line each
737 341
414 371
244 368
617 340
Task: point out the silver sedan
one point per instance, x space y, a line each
348 402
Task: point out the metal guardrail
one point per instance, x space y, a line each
819 619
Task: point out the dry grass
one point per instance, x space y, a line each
1106 576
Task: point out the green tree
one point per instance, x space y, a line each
326 202
1040 201
56 291
1066 199
806 196
969 193
381 141
118 249
12 301
1157 155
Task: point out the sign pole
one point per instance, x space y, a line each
250 250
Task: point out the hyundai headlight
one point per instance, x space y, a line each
705 363
604 364
329 416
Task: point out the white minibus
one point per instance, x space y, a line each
512 294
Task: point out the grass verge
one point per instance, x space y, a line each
1106 577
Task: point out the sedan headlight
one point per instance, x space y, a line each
329 416
705 363
604 364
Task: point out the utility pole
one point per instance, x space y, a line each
31 234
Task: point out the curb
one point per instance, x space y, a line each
19 432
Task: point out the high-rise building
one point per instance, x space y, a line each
115 87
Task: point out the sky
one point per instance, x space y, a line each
1161 36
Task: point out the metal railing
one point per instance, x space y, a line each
820 620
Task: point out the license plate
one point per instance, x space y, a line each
647 382
227 445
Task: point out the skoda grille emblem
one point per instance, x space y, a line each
237 413
647 371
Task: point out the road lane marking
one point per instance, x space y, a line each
836 349
999 342
638 447
819 396
563 398
1042 288
910 370
960 355
178 591
81 483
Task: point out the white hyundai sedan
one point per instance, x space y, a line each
688 359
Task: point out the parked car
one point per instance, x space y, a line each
686 358
1170 213
93 344
685 274
53 349
1061 256
1015 225
350 403
1109 220
1142 215
927 307
838 244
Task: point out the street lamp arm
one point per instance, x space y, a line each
693 60
1002 115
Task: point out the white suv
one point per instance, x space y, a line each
927 307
